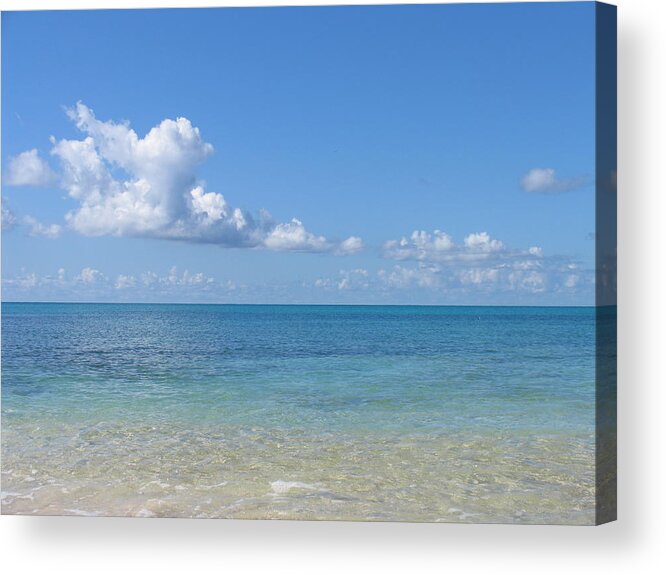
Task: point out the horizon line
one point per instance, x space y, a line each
306 304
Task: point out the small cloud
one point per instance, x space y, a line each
176 279
25 281
530 281
90 276
36 228
92 283
124 282
294 237
478 276
347 280
421 245
545 180
439 246
8 217
353 279
571 281
350 246
28 169
482 242
423 276
149 278
536 251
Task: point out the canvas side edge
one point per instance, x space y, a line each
606 263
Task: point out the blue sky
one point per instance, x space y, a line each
391 154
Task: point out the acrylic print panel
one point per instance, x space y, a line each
348 263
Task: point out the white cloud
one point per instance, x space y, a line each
479 263
402 276
457 280
8 217
36 228
524 264
346 280
149 278
420 245
542 282
440 247
478 276
350 279
28 281
28 169
91 283
176 279
545 180
294 237
90 276
25 281
124 282
571 281
534 282
482 242
160 195
538 180
351 245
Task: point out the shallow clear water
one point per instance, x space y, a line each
303 412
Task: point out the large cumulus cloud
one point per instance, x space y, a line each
127 185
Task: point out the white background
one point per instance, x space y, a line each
634 544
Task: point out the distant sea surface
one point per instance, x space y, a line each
389 413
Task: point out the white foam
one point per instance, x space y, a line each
460 513
145 513
30 496
281 487
7 494
156 482
207 487
82 513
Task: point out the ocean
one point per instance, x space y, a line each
386 413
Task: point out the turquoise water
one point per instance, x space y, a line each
312 412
